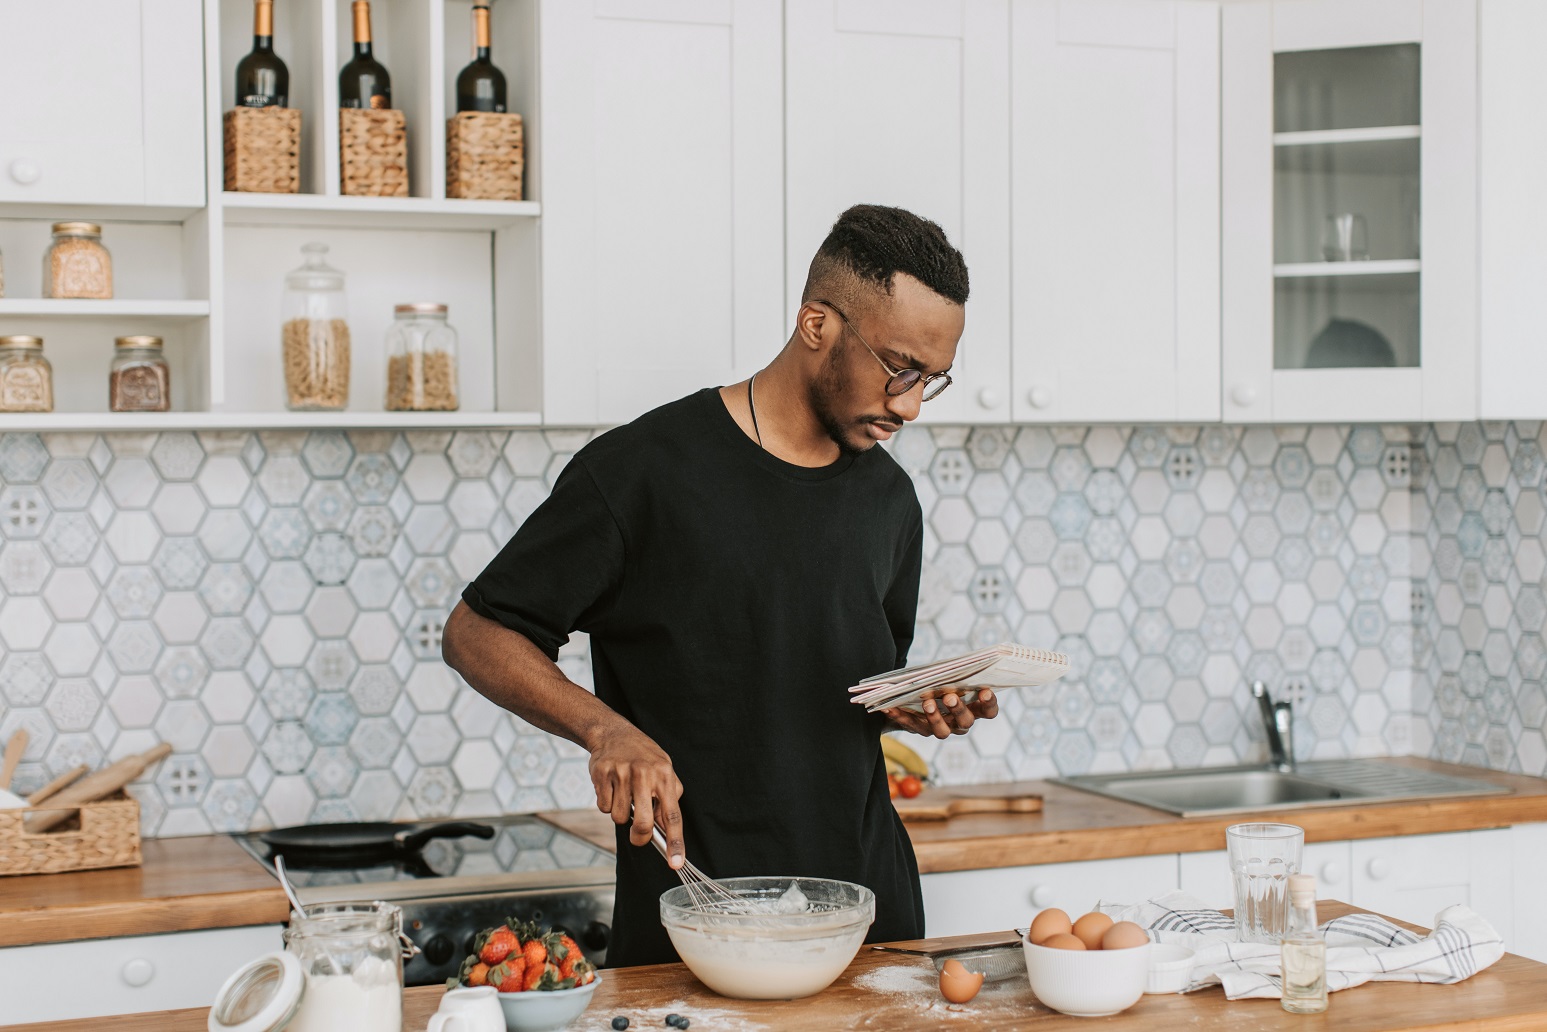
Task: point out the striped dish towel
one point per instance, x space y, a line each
1360 947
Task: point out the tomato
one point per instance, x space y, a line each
891 786
910 786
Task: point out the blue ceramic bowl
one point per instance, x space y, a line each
545 1010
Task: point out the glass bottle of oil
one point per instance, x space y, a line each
1303 952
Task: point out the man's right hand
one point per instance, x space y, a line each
636 784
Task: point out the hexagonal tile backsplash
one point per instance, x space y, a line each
271 604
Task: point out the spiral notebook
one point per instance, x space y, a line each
1005 665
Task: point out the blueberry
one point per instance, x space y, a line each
620 1023
674 1020
683 1022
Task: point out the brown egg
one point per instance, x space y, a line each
1090 928
1050 922
1123 935
957 984
1064 941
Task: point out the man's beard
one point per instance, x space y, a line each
829 384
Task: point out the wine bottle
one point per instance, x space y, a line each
262 80
364 82
481 86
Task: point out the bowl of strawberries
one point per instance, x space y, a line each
544 980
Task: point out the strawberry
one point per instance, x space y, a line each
535 952
509 976
499 944
534 975
478 974
568 955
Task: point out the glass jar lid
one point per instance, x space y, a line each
261 996
421 308
138 340
21 340
315 273
77 229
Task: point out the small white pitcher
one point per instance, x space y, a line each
469 1009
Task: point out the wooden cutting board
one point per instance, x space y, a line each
941 806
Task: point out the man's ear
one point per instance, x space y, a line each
813 325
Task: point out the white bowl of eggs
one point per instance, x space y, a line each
1088 968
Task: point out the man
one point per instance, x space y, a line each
739 558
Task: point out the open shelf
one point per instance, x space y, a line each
1373 134
1320 270
255 209
112 308
132 421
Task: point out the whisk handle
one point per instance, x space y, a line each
660 841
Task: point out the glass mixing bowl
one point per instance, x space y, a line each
769 955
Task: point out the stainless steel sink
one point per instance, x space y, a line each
1206 791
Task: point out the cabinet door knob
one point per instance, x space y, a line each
1043 896
988 398
1379 869
1243 394
25 171
1040 397
1331 873
137 972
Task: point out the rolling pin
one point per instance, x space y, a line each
55 785
913 810
93 787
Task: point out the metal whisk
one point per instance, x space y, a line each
703 891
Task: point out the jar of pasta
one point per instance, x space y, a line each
139 380
421 360
76 264
316 335
26 378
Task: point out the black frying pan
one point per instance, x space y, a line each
370 839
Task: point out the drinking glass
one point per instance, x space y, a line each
1344 239
1262 857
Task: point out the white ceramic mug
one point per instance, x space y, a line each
469 1009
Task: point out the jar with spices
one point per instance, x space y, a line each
316 335
26 378
421 360
76 264
139 380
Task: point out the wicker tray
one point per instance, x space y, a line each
106 834
485 156
373 152
263 150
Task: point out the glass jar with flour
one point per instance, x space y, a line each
352 956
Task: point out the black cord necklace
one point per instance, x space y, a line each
753 407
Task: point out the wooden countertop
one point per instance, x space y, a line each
1510 996
1076 825
185 883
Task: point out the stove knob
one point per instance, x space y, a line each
596 936
438 950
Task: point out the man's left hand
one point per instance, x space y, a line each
953 716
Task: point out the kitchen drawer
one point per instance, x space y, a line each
963 902
95 977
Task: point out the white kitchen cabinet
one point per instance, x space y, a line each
1207 875
104 102
663 200
1364 110
1414 877
907 103
127 975
1528 847
991 900
1115 136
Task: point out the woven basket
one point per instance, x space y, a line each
107 834
373 152
485 156
263 150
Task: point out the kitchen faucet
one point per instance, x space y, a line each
1278 722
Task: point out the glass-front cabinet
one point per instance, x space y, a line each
1349 210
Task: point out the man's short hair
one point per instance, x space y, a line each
873 243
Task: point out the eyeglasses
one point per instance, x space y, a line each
902 380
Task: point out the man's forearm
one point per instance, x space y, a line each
514 674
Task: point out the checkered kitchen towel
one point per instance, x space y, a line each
1360 947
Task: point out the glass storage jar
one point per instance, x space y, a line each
316 335
421 360
76 264
26 378
139 380
352 956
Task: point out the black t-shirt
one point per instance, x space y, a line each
731 599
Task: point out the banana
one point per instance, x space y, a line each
903 756
894 768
